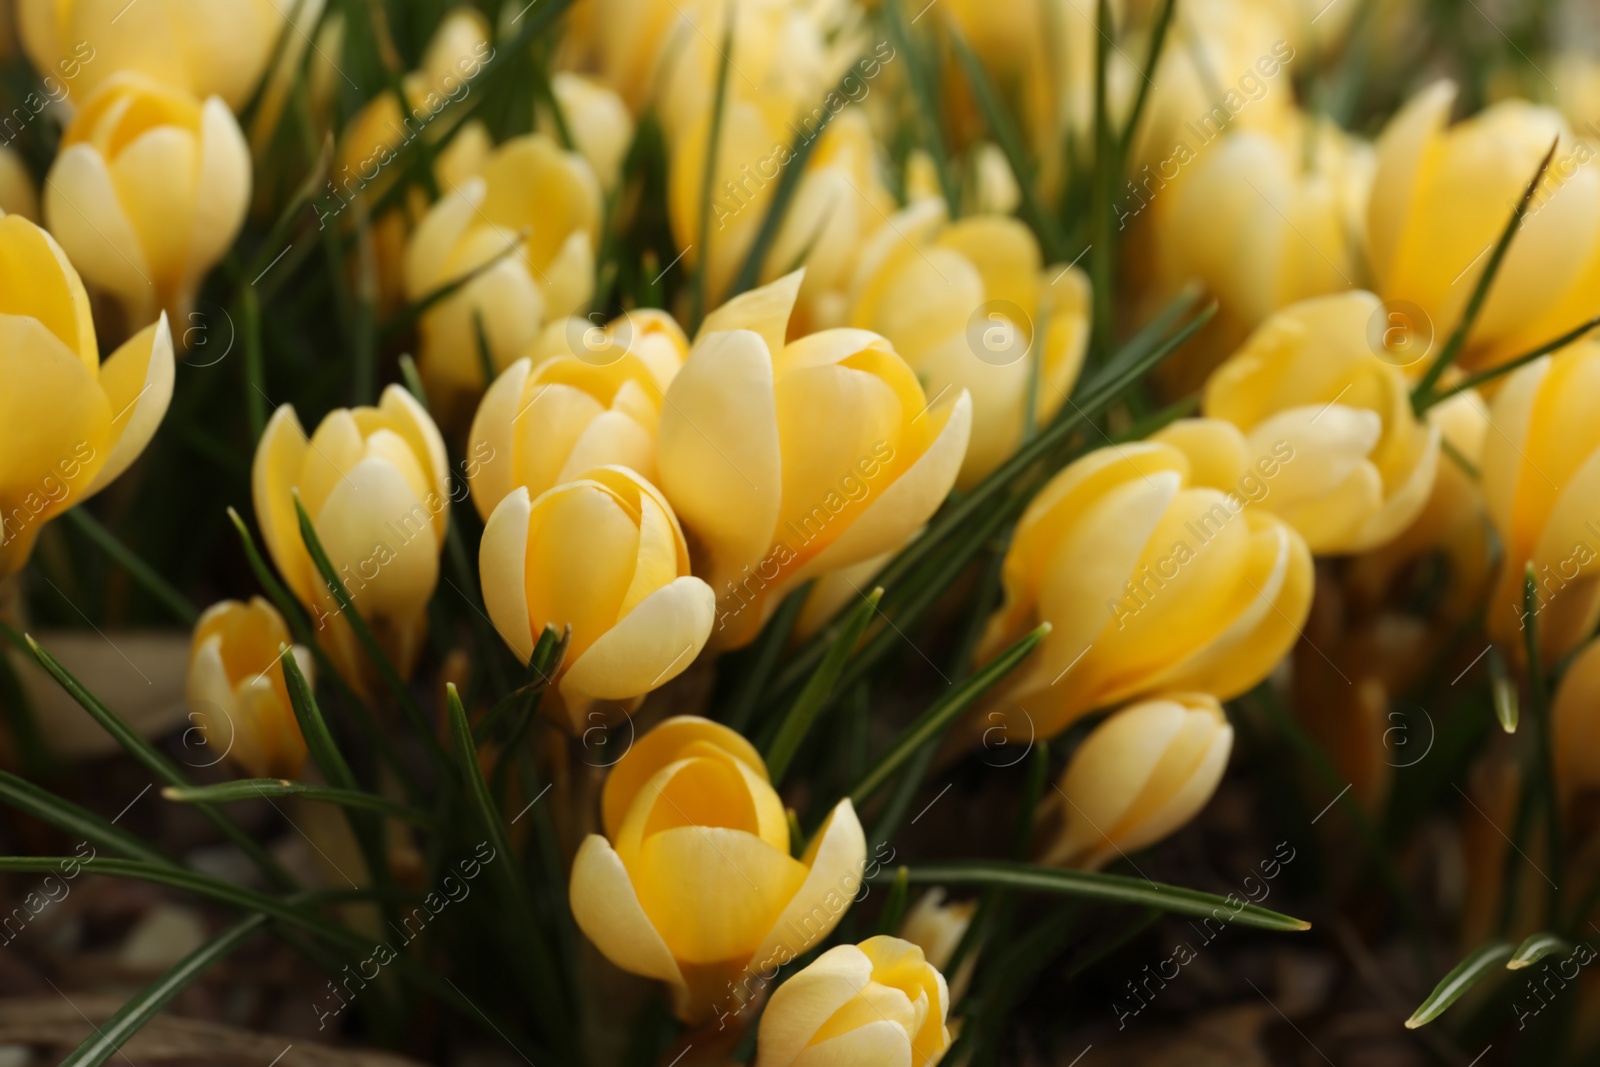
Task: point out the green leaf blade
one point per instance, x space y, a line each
1486 959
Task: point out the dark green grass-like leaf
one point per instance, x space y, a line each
141 572
109 1037
699 294
242 789
156 763
803 712
936 720
1486 959
1422 394
1535 948
1006 134
364 635
533 954
1094 885
72 819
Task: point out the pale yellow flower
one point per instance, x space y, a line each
237 692
1139 776
148 193
1310 376
1443 194
790 461
879 1002
376 484
1541 478
602 553
598 120
529 226
69 423
693 883
962 302
1155 575
199 47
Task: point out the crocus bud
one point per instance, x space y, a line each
961 303
549 422
879 1002
598 120
693 883
1541 477
200 47
789 461
528 227
69 423
1575 720
148 193
604 554
17 193
1441 198
1155 576
1363 463
1261 220
238 696
1139 776
376 484
936 926
840 202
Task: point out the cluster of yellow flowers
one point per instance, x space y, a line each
660 494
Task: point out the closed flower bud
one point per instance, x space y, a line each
550 421
528 227
840 202
1441 198
600 124
693 883
69 424
199 47
879 1002
238 696
148 193
936 926
1139 776
789 461
1155 576
961 303
376 484
1254 224
1541 478
602 553
1363 463
17 193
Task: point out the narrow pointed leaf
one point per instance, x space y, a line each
937 719
109 1037
156 763
1484 960
364 635
70 818
1536 948
1472 381
536 953
243 789
1007 135
1422 394
1093 885
803 712
137 569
